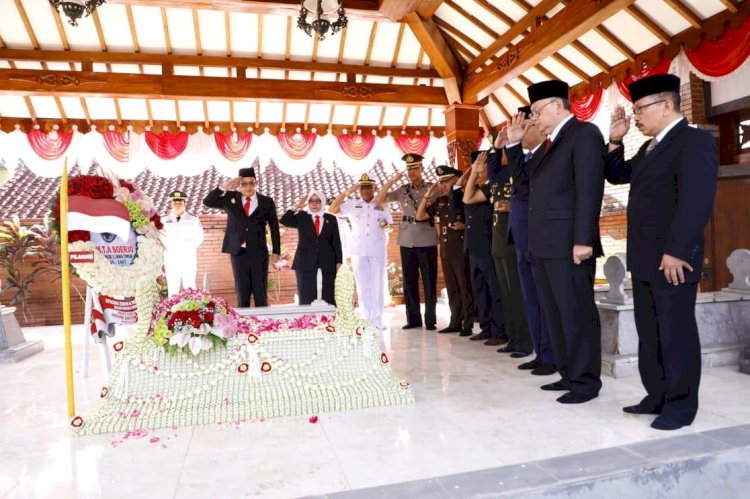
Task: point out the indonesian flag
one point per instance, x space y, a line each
99 215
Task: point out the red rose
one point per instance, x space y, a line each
208 317
127 185
157 222
195 322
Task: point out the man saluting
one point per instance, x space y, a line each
672 186
248 215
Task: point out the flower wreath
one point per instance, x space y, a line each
103 276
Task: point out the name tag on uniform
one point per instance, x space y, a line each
378 208
358 206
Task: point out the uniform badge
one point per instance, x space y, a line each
233 201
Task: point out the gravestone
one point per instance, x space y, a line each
13 345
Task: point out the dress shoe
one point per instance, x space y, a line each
576 398
557 386
662 423
544 370
519 355
466 332
411 326
642 408
493 342
450 329
480 336
532 364
430 327
506 349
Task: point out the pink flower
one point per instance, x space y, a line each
313 419
153 440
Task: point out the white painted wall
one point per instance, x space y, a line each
731 89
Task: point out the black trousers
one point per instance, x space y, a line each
487 295
506 268
416 262
250 278
307 286
460 297
669 349
528 273
573 320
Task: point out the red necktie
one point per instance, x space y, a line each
247 207
317 225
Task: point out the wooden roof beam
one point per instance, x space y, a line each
440 55
685 12
87 83
516 29
367 10
731 5
209 60
579 17
395 10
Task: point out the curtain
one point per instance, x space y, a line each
233 146
357 146
49 146
165 145
585 108
724 55
412 145
660 68
297 146
117 145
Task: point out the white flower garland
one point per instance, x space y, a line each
109 279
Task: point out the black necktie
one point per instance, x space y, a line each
178 218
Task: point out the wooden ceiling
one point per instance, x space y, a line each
398 64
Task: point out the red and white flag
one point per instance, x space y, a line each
98 215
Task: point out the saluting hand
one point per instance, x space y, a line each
501 139
464 178
517 128
619 125
352 189
480 165
673 269
231 184
397 175
300 203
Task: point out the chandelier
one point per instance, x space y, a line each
75 9
322 12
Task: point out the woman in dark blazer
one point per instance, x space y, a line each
318 247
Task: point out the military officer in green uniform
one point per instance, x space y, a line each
504 256
418 242
449 221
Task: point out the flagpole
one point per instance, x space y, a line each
65 271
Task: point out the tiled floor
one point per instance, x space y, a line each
474 410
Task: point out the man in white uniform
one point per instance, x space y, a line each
367 246
183 233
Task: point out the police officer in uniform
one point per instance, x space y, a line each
182 235
504 256
449 221
418 242
367 247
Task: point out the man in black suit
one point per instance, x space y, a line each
565 196
248 215
318 248
672 187
521 167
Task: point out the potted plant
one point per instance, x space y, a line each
395 283
16 243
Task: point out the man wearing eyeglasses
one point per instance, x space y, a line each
565 195
248 215
672 187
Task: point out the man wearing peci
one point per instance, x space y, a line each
248 215
565 196
522 166
318 248
672 187
418 243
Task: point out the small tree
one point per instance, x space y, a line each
16 242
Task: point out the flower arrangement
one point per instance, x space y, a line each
192 320
395 279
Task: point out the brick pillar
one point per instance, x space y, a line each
461 130
693 98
